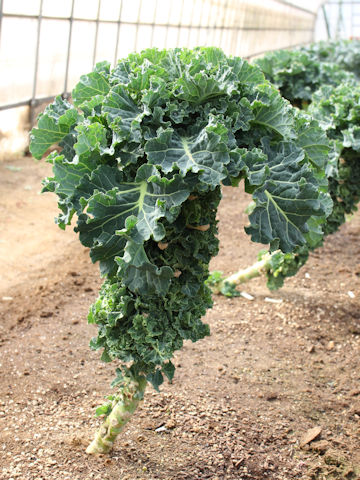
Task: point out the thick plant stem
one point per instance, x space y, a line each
245 275
254 271
122 410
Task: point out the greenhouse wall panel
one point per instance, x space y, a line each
114 28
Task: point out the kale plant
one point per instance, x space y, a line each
345 53
144 150
298 74
336 107
277 265
338 111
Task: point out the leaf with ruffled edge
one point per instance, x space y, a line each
273 113
53 126
202 153
313 139
123 114
92 138
286 200
352 138
67 176
139 274
148 199
91 85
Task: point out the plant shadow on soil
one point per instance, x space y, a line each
241 399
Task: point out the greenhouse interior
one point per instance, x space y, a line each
196 315
54 56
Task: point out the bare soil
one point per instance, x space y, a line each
241 400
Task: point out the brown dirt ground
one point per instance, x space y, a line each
241 399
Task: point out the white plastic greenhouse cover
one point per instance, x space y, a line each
312 5
55 54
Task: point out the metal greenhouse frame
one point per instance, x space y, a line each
220 27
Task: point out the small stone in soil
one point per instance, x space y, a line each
161 429
320 446
310 435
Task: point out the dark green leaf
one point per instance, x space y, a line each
90 85
140 275
285 201
123 115
53 125
156 379
203 153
